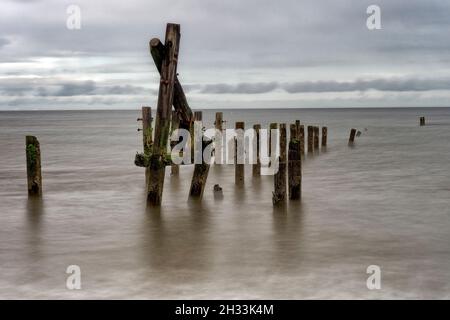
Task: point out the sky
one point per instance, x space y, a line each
233 53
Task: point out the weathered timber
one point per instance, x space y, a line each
201 169
256 169
279 194
180 103
168 73
316 138
294 165
218 139
324 136
175 168
310 139
302 139
351 140
239 154
422 121
34 175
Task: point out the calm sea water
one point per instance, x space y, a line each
384 202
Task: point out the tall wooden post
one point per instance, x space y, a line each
175 168
279 194
257 165
239 154
316 138
201 168
310 139
219 138
34 175
294 165
351 140
324 136
163 113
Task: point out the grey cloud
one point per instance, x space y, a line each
389 84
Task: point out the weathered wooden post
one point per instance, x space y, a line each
34 175
294 165
175 168
257 165
316 138
163 113
324 137
351 140
302 139
239 154
201 169
279 194
310 139
218 140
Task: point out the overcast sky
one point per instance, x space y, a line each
233 53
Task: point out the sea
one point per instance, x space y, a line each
373 221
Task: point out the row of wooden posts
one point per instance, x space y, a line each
290 157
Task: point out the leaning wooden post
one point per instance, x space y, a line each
279 194
34 175
180 103
351 140
175 168
256 141
163 113
316 138
310 139
218 140
201 168
294 165
324 137
239 154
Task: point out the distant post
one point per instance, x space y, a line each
310 139
34 176
294 165
351 140
218 140
302 139
279 194
257 165
316 138
201 170
239 154
324 137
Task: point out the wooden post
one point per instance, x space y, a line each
279 194
272 126
324 137
310 139
302 139
218 140
351 140
316 138
158 52
239 154
201 169
34 175
257 165
175 168
422 121
294 165
163 113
